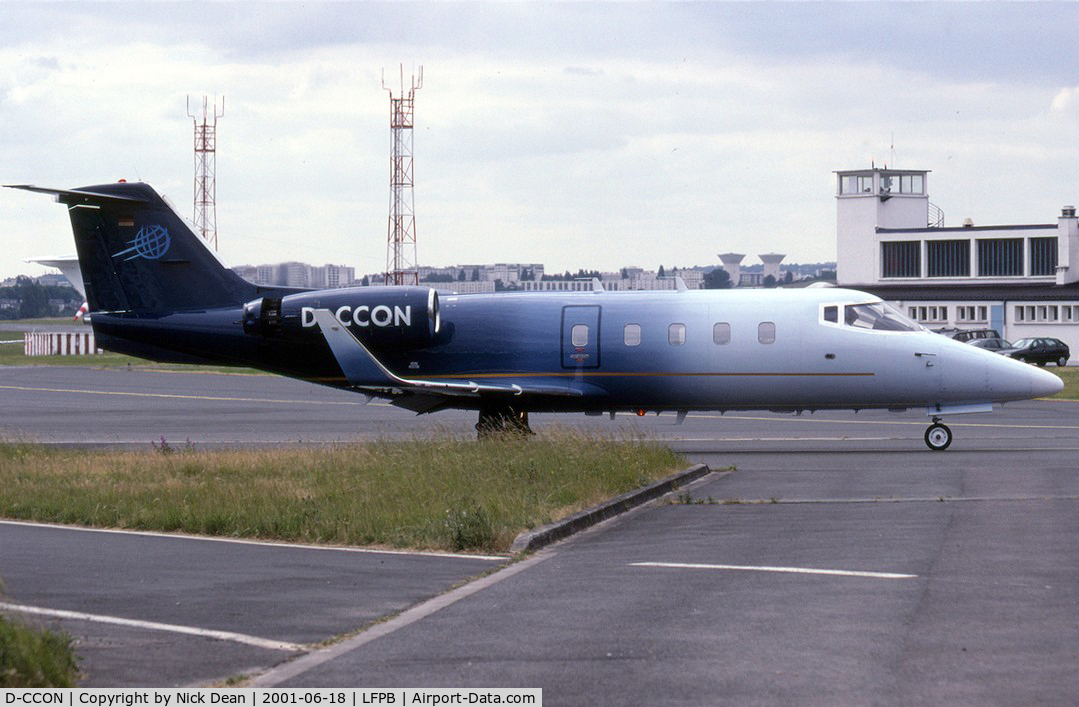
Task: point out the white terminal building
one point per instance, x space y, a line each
1022 280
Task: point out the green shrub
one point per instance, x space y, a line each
35 657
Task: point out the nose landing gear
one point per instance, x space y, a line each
938 437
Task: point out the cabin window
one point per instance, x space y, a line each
831 314
721 333
676 334
766 332
632 335
579 335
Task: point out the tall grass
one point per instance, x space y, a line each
35 657
442 493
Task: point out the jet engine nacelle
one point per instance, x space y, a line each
405 316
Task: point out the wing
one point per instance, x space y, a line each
364 371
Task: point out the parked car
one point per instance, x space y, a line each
992 344
971 334
1040 351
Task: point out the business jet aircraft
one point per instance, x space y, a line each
156 291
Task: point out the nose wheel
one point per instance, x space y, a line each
938 437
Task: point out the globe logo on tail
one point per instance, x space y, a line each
151 243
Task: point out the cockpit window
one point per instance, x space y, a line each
831 314
878 316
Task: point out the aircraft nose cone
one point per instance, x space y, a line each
1044 383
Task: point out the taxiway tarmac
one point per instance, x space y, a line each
841 561
136 406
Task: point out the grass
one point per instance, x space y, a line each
35 657
443 493
1070 376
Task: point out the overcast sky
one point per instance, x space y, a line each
576 135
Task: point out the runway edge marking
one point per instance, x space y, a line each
155 626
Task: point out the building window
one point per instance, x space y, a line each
632 335
1043 256
1046 313
972 313
912 184
721 333
853 184
901 259
929 314
947 258
1000 257
902 184
766 332
676 334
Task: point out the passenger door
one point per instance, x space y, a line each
580 336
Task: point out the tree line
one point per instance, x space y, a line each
27 299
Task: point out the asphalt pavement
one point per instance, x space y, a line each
837 560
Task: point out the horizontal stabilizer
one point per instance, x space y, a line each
78 196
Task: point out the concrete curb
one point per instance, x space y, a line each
552 532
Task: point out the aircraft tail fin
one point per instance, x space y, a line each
138 255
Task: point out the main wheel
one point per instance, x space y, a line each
938 437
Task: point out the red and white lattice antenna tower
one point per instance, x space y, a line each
401 239
206 168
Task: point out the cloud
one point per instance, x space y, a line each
1065 99
579 135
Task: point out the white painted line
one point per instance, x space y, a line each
178 396
154 626
789 570
259 543
920 423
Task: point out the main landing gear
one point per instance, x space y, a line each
938 437
502 419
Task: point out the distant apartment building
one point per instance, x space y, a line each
296 274
636 279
